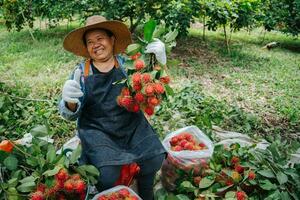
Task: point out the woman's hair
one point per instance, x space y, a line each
108 33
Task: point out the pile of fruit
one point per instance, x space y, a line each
145 87
64 186
186 141
118 195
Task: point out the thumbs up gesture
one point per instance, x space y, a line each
71 90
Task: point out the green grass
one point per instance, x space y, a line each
263 84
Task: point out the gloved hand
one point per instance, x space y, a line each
158 48
71 90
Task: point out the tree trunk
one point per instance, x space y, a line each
203 35
226 39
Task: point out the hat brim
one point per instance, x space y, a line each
74 43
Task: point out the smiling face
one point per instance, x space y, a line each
99 45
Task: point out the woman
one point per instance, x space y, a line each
110 135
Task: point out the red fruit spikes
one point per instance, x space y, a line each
139 64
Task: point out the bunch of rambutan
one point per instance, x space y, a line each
65 186
145 86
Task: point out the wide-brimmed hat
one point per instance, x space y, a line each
74 43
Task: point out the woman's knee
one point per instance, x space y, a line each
108 177
152 164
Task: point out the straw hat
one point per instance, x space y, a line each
74 43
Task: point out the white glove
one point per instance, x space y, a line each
158 48
71 90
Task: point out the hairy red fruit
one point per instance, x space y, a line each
159 88
37 196
69 186
165 80
102 198
51 191
76 177
137 87
239 169
189 146
124 193
139 97
139 64
251 175
177 148
182 143
146 78
153 101
201 145
197 180
234 160
188 137
149 110
135 108
41 187
125 91
62 175
149 90
135 56
134 198
229 182
126 101
240 195
174 141
79 186
136 78
60 196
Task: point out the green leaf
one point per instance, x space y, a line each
11 162
169 37
171 197
13 182
132 49
206 182
75 155
52 172
90 169
39 131
12 194
160 194
28 179
282 178
182 197
32 161
267 185
187 186
285 195
149 29
160 29
26 187
230 194
50 157
169 90
129 64
274 195
224 188
266 173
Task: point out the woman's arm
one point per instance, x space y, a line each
71 111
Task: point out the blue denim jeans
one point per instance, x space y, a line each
145 179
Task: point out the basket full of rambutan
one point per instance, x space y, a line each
147 81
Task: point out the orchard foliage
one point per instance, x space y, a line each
236 14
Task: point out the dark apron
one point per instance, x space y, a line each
109 134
